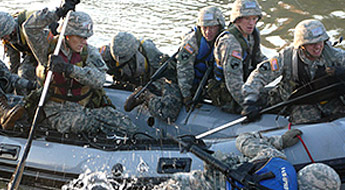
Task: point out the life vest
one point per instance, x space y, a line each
285 177
249 58
20 45
66 89
205 54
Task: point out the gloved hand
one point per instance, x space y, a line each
53 28
58 65
290 138
187 103
68 5
337 71
251 110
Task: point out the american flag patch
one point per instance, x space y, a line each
102 49
236 54
274 64
189 48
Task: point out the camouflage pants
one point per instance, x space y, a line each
72 117
315 112
167 106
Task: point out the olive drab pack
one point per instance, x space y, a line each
210 16
243 8
7 24
308 32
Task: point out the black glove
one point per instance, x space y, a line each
252 111
57 64
68 5
53 28
290 138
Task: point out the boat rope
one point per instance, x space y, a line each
304 145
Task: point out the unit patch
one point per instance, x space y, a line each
189 48
274 64
236 54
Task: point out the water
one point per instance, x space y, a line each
166 21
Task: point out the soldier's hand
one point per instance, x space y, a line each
187 103
57 64
68 5
290 138
31 86
336 71
252 111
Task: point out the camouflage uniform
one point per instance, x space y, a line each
73 116
282 64
236 56
254 147
131 60
16 46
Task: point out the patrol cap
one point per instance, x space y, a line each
7 24
79 24
243 8
308 32
210 16
124 46
318 176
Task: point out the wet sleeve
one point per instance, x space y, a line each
94 73
265 72
230 57
185 66
35 34
256 146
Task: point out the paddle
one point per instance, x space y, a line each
301 98
17 175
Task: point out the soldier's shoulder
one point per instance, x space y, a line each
94 56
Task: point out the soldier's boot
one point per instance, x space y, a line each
133 102
9 115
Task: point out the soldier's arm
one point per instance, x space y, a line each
231 59
35 34
10 81
185 66
153 55
256 146
14 58
94 73
265 72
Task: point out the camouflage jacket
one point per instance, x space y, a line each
281 65
228 54
92 74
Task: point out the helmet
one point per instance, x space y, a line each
308 32
79 24
318 176
123 46
245 8
7 24
210 16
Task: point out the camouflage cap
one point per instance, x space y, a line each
308 32
123 46
318 176
210 16
245 8
7 24
79 24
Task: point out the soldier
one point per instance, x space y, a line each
130 60
196 51
77 101
15 45
237 52
265 153
310 57
194 54
9 82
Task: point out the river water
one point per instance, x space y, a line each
166 21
